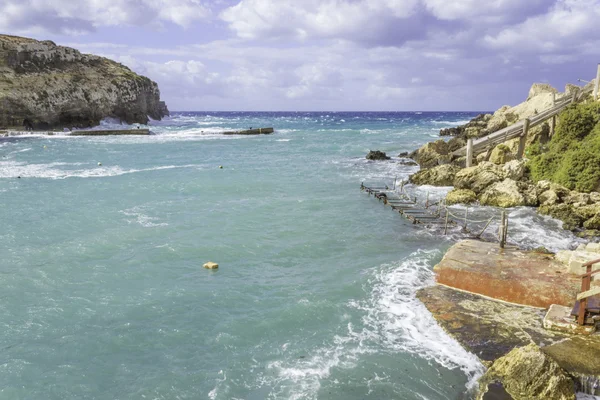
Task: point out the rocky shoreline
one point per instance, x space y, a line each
512 307
569 189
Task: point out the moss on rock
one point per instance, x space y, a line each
461 196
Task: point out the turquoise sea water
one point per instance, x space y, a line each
104 295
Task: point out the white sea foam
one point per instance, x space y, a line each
14 169
401 322
393 319
451 123
140 218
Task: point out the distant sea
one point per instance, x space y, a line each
102 242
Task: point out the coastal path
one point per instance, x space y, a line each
519 129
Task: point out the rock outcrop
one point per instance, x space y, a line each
44 86
442 175
376 155
527 373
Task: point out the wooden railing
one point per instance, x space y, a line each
586 292
518 129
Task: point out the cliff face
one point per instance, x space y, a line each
55 86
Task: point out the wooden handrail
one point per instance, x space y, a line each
589 273
589 263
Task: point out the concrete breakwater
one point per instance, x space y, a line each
108 132
251 131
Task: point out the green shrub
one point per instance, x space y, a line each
572 157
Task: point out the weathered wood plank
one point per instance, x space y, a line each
588 293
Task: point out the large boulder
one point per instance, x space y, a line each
538 88
501 154
527 373
514 169
479 177
432 154
502 194
461 196
376 155
442 175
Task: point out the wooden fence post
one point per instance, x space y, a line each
469 153
597 86
553 123
446 225
523 139
501 233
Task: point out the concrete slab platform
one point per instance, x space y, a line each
559 318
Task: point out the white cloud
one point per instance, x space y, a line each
83 16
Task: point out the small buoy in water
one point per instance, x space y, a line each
99 163
45 147
211 265
220 167
19 177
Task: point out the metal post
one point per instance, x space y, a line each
402 185
427 201
469 162
446 225
597 86
395 183
466 214
523 139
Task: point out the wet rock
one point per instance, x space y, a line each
564 212
592 223
377 155
485 327
403 154
432 154
461 196
442 175
501 154
502 194
527 373
478 178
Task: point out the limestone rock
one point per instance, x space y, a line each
538 88
514 169
461 196
479 177
211 265
560 190
502 194
594 197
577 198
377 155
432 154
51 86
530 196
442 175
501 154
548 198
587 211
527 373
592 223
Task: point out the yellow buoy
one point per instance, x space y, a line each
211 265
99 163
220 167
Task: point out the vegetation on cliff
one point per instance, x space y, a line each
54 86
572 157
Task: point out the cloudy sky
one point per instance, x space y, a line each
329 54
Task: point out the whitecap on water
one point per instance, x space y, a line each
14 169
140 218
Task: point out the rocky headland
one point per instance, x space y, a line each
46 86
560 173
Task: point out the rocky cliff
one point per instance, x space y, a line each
45 86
